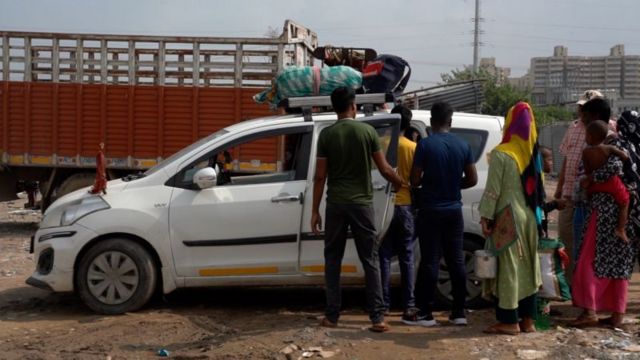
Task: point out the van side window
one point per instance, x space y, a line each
477 140
258 159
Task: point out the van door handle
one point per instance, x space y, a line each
285 198
379 187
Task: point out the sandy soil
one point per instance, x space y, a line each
257 323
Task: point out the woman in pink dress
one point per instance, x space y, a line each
605 263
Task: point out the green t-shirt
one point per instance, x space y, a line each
348 146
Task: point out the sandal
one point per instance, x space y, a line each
609 322
606 321
527 329
584 321
498 329
380 327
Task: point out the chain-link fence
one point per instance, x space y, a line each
551 136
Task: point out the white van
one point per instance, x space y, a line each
201 218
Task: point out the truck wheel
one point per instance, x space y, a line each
474 285
73 183
116 276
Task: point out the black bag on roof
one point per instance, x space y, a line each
386 74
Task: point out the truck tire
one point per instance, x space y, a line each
116 276
73 183
474 285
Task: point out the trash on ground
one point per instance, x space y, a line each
163 353
532 354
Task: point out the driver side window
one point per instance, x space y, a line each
257 159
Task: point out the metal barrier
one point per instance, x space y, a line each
551 136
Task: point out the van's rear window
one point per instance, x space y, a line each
477 139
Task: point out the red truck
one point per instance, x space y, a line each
144 97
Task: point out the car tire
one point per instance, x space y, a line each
474 285
73 183
116 276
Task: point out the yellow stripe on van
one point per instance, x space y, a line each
238 271
320 269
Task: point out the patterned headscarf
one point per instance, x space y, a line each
520 142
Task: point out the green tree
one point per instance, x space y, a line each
498 98
549 114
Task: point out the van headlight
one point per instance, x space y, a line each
81 208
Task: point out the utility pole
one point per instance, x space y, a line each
476 37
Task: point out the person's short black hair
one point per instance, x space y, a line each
342 98
599 108
441 113
405 114
598 130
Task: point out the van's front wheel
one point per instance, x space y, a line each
116 276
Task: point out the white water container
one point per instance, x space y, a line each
486 264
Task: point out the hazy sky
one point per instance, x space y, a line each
435 36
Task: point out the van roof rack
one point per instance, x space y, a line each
307 103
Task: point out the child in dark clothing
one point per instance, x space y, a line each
595 156
547 166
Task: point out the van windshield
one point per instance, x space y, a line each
184 151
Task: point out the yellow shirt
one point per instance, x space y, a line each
406 149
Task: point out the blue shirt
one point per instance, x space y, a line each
442 157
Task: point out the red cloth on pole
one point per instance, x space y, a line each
100 184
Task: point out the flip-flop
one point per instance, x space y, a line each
495 330
527 330
584 322
380 327
606 321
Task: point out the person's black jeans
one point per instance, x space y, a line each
399 240
440 233
361 220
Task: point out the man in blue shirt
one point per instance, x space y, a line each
443 165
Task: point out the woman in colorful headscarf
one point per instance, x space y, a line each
512 221
605 262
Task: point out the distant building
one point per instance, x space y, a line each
559 79
521 83
501 73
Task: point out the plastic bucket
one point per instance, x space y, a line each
486 264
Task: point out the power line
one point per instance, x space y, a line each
551 25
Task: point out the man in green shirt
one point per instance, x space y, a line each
346 151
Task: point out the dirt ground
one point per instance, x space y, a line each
259 323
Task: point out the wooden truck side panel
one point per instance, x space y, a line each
52 124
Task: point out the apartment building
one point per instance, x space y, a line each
559 79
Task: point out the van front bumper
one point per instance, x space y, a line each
55 251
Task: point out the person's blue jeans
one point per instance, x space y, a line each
440 233
399 240
579 214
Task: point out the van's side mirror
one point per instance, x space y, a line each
205 178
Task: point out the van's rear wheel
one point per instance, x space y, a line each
474 284
116 276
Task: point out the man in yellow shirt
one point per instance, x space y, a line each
399 239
